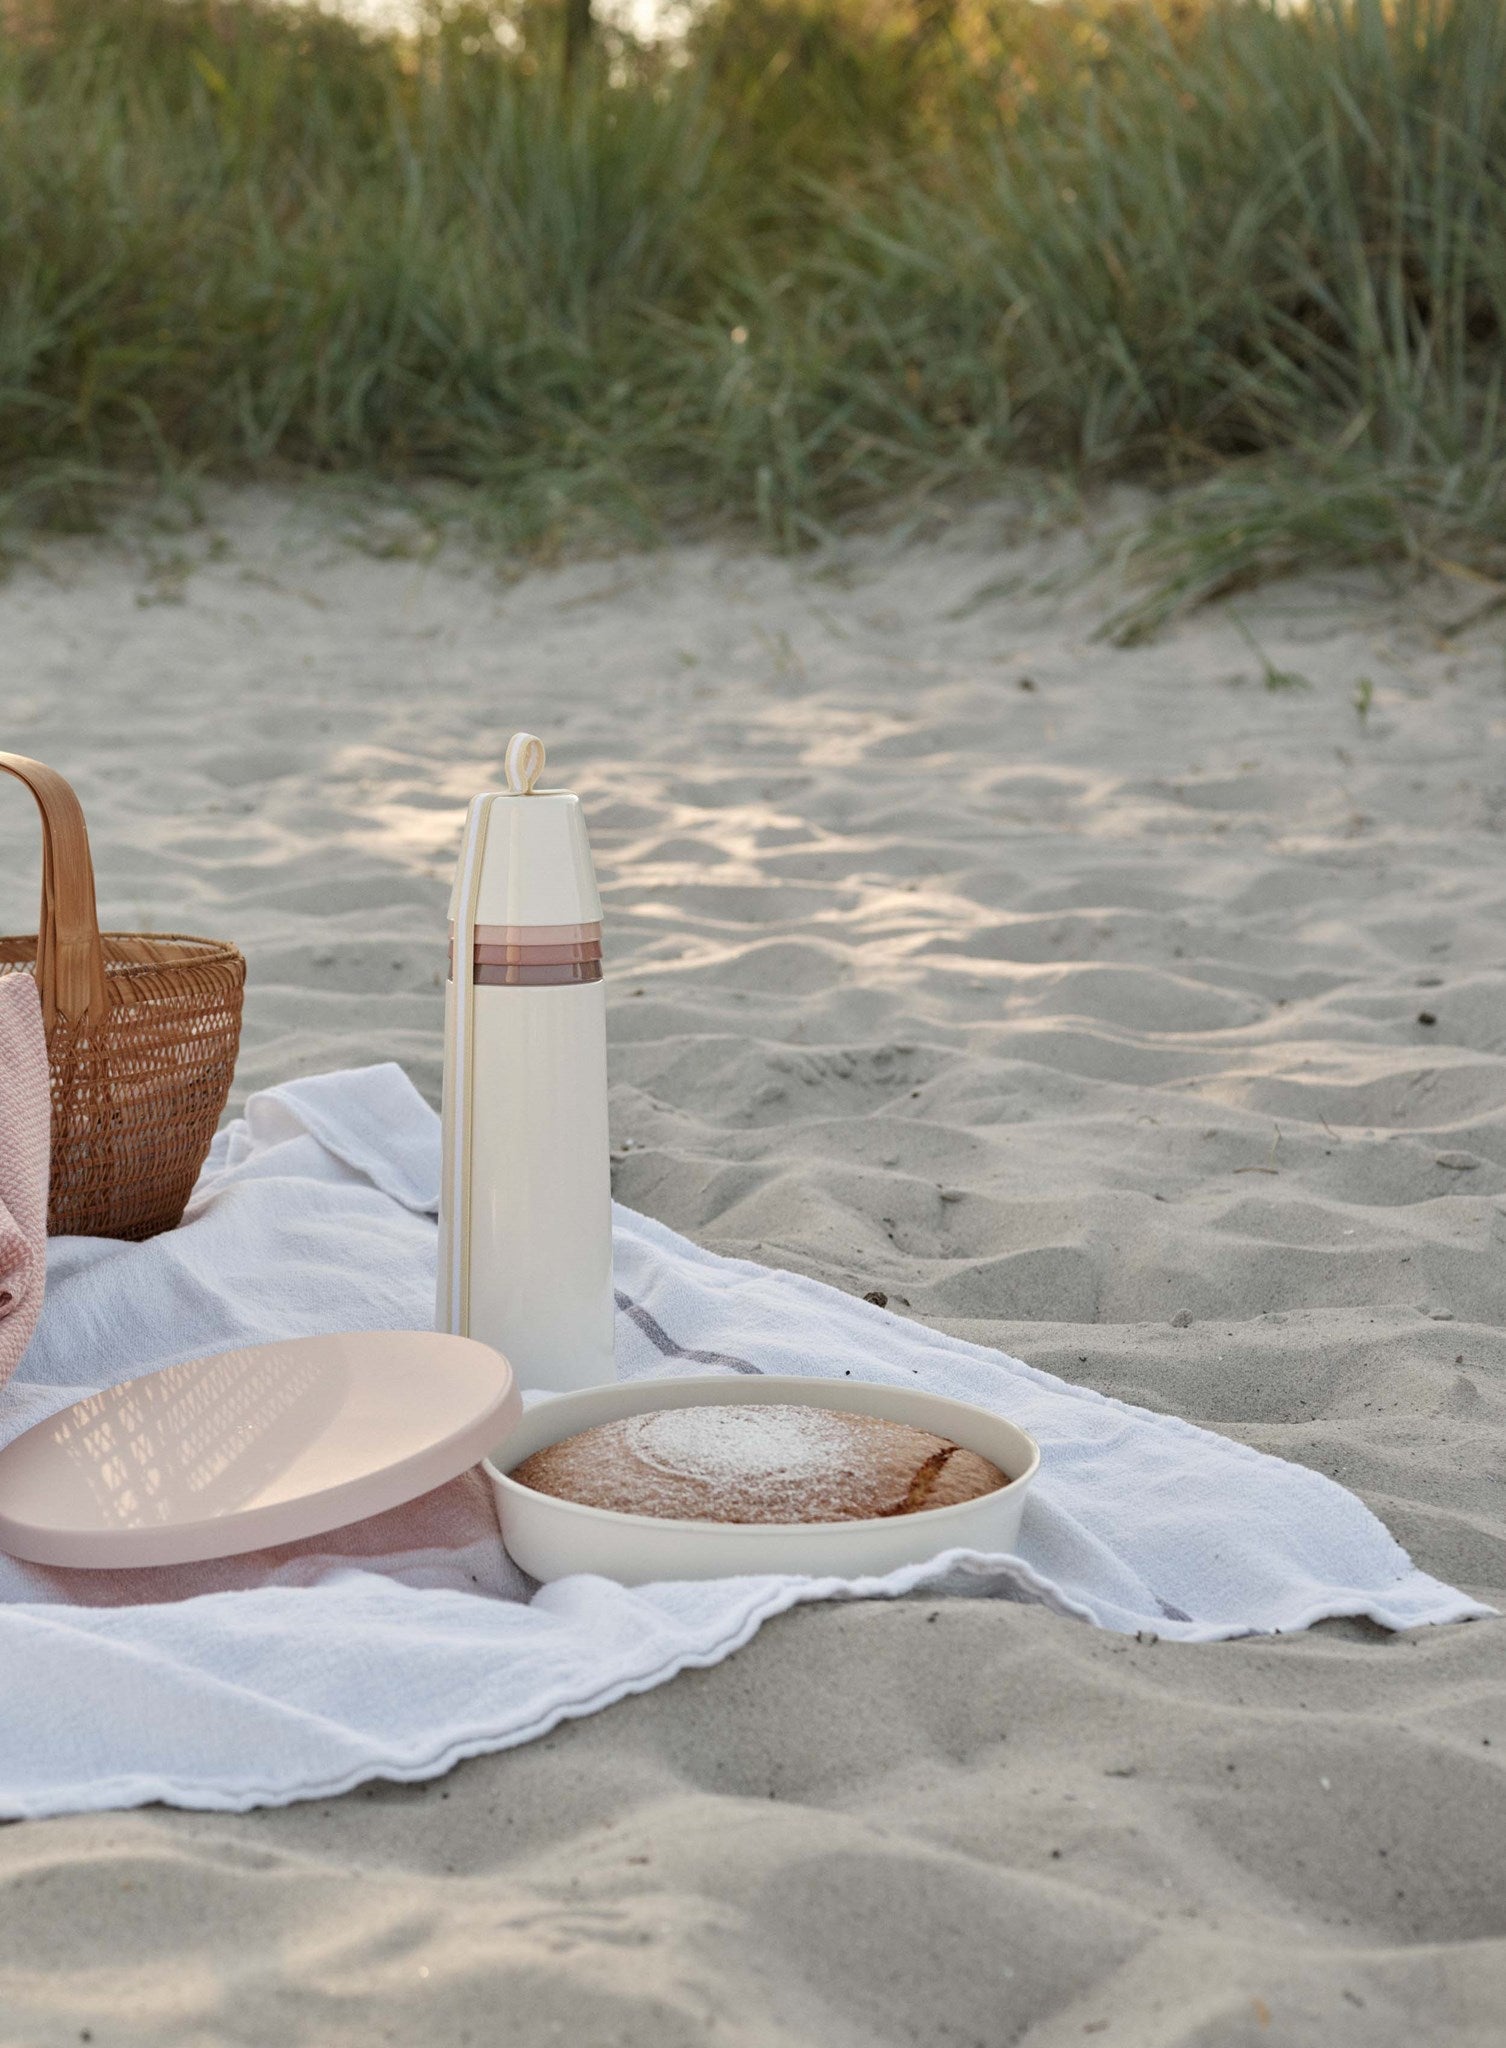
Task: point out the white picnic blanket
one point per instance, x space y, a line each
398 1646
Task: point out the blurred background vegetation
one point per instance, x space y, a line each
796 264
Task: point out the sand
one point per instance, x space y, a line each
1105 1005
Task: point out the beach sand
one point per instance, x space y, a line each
1104 1005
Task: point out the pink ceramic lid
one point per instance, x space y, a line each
251 1448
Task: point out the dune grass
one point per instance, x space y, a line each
814 258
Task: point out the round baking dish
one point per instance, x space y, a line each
552 1538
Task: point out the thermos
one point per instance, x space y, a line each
525 1216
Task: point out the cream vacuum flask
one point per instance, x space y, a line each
525 1206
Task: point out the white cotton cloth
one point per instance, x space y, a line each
395 1647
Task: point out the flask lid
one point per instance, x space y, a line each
525 860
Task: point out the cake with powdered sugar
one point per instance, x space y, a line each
759 1462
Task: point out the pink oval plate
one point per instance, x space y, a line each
251 1448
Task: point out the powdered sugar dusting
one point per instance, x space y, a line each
724 1446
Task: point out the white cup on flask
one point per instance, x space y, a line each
525 1206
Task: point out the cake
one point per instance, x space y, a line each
759 1462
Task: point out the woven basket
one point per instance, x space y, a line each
142 1030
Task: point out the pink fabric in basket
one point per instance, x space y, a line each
25 1142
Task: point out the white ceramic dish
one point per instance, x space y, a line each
552 1538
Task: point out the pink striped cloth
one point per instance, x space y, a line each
25 1139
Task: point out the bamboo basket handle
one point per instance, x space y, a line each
70 960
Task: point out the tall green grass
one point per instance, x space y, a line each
819 256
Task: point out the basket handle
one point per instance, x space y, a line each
70 960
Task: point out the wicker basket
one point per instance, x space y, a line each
142 1030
